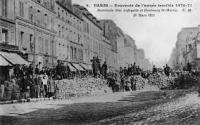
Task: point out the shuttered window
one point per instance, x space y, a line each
21 9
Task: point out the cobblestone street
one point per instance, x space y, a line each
136 108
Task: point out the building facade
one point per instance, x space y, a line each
184 38
110 32
69 27
49 30
35 33
192 51
93 41
7 25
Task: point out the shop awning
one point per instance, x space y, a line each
71 68
4 62
78 67
86 66
14 58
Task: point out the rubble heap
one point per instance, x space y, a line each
81 87
160 80
139 82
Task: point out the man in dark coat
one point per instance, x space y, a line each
189 67
104 70
37 70
30 69
94 66
167 70
154 69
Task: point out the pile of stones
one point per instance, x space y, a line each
81 87
160 80
139 82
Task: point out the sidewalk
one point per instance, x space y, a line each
27 100
18 109
51 98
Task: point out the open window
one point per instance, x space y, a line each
4 35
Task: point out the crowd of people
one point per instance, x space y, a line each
125 79
24 81
97 69
35 82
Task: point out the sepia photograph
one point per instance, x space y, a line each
99 62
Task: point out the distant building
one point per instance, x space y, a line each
192 52
110 32
126 50
184 37
95 44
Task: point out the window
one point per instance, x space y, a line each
21 9
22 38
75 53
46 46
38 17
45 3
52 4
67 51
63 32
62 14
58 12
52 23
45 20
72 53
78 38
42 45
31 42
31 14
4 35
51 50
4 8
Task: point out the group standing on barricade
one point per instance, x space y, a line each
24 82
133 77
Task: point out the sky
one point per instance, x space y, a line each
156 35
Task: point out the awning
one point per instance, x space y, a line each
78 67
86 66
14 58
71 68
4 62
83 66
